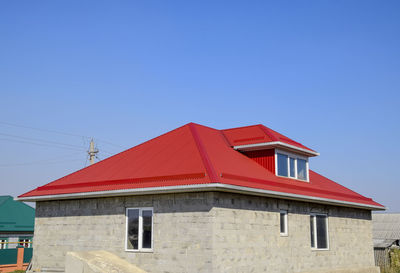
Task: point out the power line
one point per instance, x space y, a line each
60 133
101 151
109 143
41 144
45 161
49 143
33 163
41 140
40 129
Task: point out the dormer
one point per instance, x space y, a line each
277 153
291 165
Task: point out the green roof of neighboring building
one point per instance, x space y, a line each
15 216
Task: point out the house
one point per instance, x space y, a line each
198 199
386 236
16 231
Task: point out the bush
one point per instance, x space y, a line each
395 259
394 256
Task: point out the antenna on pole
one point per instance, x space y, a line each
92 152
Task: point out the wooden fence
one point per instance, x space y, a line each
382 257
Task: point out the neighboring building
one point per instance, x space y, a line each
386 235
16 230
197 199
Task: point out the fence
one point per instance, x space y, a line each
382 258
15 258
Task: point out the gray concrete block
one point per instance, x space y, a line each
205 232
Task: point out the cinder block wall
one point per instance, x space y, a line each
247 236
204 232
182 231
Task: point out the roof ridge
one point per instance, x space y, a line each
225 138
265 129
241 127
5 198
203 153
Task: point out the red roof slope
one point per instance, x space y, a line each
257 134
191 156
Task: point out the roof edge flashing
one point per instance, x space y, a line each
197 188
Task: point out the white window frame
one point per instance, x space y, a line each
315 231
140 231
4 242
295 156
286 233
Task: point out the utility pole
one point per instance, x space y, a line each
92 152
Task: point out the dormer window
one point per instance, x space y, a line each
291 165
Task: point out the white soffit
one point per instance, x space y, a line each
266 145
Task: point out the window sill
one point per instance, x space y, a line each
140 250
320 249
293 178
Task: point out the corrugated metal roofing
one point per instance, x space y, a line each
15 216
191 155
383 243
257 134
4 198
386 226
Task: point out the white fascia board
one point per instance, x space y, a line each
256 146
197 188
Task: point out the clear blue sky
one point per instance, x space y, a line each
325 73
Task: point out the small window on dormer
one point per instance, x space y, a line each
291 165
301 169
282 165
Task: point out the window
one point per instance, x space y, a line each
24 242
139 229
319 231
302 169
284 222
292 166
282 165
3 243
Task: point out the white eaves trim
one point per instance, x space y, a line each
200 187
256 146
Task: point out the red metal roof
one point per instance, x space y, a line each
257 134
194 155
